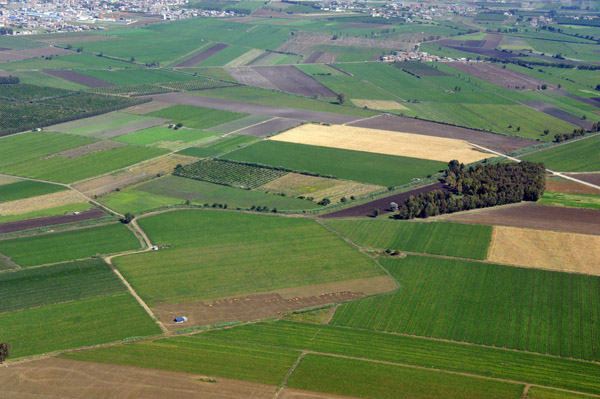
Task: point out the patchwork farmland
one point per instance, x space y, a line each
183 197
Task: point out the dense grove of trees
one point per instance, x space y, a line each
478 187
9 80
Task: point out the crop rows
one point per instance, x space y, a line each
54 284
229 173
157 88
526 309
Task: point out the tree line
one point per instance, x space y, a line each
478 187
9 80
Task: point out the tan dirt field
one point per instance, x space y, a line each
293 393
40 202
146 108
296 184
567 252
71 379
378 104
269 304
383 142
83 150
106 184
568 187
8 180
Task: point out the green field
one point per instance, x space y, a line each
365 379
69 245
136 201
579 156
161 136
44 79
69 325
226 144
55 211
499 363
136 76
224 56
588 201
63 282
385 170
103 125
196 117
205 261
26 189
533 310
71 61
544 393
440 238
200 356
229 173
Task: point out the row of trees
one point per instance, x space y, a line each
478 187
9 80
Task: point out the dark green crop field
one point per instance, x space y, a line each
26 189
579 156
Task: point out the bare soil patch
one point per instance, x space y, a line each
270 304
320 57
192 61
296 185
106 184
383 142
486 47
253 108
291 79
558 113
51 221
530 215
383 204
593 178
146 108
71 379
492 40
269 127
84 150
293 393
569 187
496 142
18 55
248 76
567 252
593 101
40 202
500 77
385 105
78 78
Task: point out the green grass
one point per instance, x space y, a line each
69 245
164 137
385 170
200 356
219 147
98 125
579 156
439 238
196 117
18 43
364 379
351 53
205 261
224 56
199 192
136 201
68 170
63 282
545 393
517 308
69 325
71 61
55 211
27 189
43 79
588 201
280 99
499 363
137 76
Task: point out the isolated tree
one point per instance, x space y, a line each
128 218
4 351
341 97
132 59
375 212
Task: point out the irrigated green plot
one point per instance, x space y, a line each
105 126
164 137
205 261
579 156
550 371
69 325
200 356
69 245
367 379
136 202
44 79
385 170
137 76
71 61
63 282
196 117
27 189
226 144
440 238
588 201
518 308
545 393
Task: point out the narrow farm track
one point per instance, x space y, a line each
289 373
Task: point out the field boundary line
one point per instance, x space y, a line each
360 120
283 383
